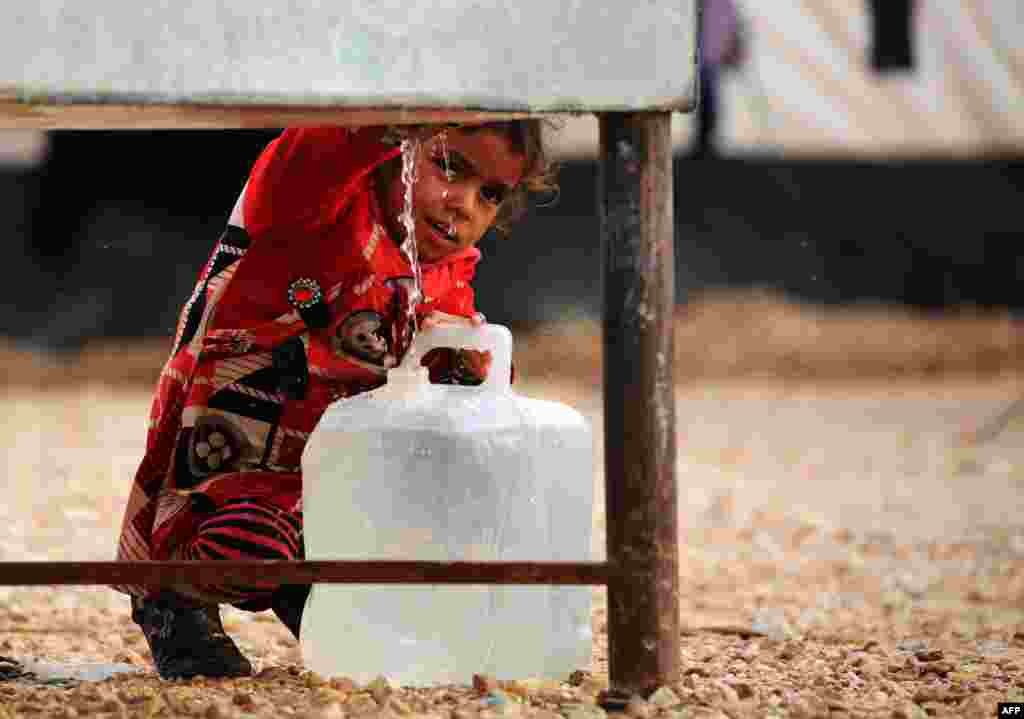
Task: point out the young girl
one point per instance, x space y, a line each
306 299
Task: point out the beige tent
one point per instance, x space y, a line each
807 86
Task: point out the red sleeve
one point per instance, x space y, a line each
306 176
447 365
461 298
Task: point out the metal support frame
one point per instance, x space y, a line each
635 190
639 399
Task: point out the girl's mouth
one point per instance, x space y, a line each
446 232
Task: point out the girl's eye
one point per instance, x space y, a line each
448 169
493 194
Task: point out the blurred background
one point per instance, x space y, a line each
845 154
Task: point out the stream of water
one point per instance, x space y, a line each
410 151
410 148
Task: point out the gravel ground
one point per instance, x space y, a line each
843 554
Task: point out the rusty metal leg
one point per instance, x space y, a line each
639 404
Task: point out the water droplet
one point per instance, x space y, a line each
448 174
650 645
422 452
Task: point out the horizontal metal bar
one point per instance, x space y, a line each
167 573
15 114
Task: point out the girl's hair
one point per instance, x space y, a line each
527 139
539 178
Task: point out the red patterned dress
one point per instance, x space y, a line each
251 371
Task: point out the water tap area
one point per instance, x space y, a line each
836 535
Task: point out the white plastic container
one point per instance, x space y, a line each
439 472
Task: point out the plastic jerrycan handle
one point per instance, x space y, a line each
497 339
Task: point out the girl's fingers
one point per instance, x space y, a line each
432 320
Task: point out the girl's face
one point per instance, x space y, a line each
453 209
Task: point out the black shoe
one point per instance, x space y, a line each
11 669
288 603
187 639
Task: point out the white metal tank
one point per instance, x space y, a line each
418 471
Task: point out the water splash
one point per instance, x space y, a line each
448 175
410 151
443 140
410 148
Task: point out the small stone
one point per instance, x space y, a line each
216 710
329 711
325 695
344 684
789 651
577 677
129 656
728 693
584 711
743 690
930 694
912 645
508 709
399 707
496 697
870 667
484 683
518 689
243 699
964 677
217 440
664 697
314 680
909 711
929 655
938 668
111 704
771 622
379 689
637 707
360 704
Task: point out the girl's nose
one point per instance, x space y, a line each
459 201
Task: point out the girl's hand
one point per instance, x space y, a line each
440 319
450 365
465 366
